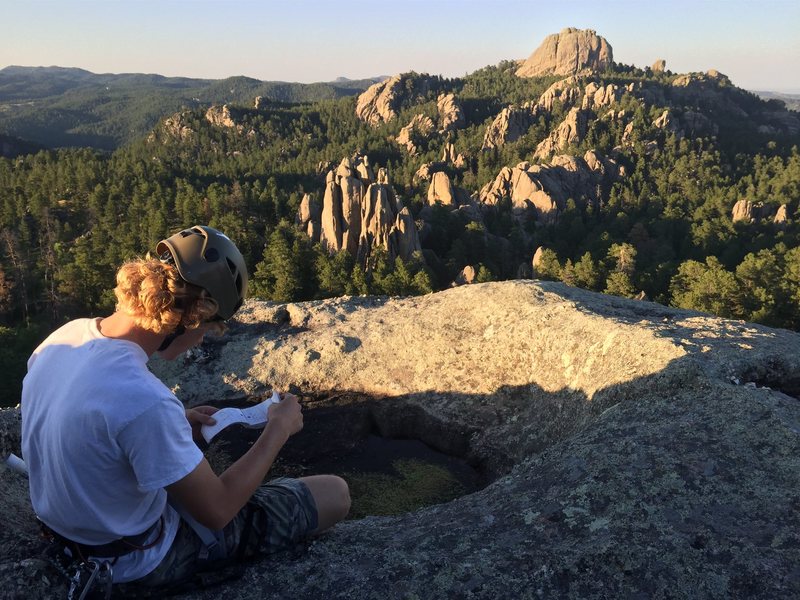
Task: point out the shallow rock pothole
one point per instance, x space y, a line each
390 470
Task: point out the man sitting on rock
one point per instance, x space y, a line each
115 475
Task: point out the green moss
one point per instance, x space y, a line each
415 484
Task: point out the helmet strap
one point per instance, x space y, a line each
179 331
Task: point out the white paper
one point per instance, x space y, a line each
252 417
15 463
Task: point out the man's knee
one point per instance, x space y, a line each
342 496
332 496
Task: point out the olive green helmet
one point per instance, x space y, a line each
208 258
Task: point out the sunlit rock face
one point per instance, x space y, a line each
628 444
569 52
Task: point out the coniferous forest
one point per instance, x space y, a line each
663 229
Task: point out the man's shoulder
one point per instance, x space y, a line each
73 331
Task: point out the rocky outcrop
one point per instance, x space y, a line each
449 156
781 216
331 225
406 238
711 78
378 103
508 126
176 126
565 91
536 261
425 172
631 450
746 211
780 122
659 66
596 96
309 216
412 134
666 122
360 212
352 189
441 190
223 116
697 124
706 91
572 130
545 189
381 101
570 52
451 115
466 276
742 211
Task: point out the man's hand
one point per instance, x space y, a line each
213 500
286 414
199 416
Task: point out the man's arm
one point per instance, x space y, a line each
213 500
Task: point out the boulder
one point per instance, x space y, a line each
659 66
441 190
406 239
364 170
536 261
309 210
569 52
345 168
781 216
630 450
466 276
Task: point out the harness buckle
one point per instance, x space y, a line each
98 574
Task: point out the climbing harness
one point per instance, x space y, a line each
98 575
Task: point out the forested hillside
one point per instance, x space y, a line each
56 107
679 188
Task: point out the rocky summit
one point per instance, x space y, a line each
631 450
569 52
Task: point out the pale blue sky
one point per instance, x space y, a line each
756 43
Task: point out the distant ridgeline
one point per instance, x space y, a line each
680 188
57 107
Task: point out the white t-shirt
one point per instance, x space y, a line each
102 437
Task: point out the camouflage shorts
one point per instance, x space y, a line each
283 516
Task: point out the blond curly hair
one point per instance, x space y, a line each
155 296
